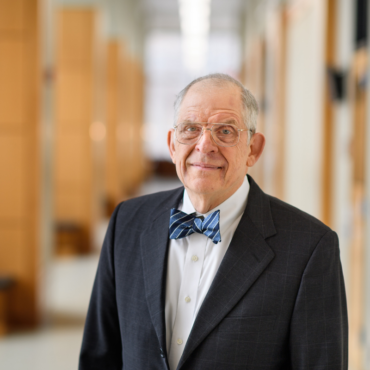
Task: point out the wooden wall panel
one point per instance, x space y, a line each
13 165
328 119
72 206
74 92
12 77
127 130
11 249
139 116
12 15
76 37
114 191
356 288
76 153
19 155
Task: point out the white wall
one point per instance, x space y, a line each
304 107
342 171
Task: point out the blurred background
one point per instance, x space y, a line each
86 99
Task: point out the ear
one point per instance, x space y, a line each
171 144
256 146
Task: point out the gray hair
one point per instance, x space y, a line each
249 103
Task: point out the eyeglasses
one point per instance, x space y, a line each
223 134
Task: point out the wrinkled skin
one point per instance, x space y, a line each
211 173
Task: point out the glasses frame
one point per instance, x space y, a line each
210 129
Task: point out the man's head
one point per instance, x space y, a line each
248 101
212 173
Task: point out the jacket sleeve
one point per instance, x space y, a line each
101 344
319 325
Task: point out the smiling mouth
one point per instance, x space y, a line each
205 166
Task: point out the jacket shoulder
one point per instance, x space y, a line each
286 215
140 210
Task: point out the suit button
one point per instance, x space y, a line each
162 353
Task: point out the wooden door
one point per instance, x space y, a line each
20 156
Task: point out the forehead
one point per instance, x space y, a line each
208 98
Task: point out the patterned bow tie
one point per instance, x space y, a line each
182 224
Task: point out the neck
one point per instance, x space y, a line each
204 202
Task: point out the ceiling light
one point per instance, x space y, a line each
195 24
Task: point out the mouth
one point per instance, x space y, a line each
206 166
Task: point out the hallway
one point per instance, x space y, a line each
56 345
87 92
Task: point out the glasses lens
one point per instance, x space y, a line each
223 134
188 133
226 135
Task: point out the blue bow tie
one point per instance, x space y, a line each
182 225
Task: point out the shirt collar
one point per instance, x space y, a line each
230 209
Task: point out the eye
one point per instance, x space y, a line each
191 128
225 131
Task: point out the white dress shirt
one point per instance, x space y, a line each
192 265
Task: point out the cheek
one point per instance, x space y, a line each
237 162
182 154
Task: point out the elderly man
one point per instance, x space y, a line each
216 274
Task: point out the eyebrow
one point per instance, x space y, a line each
230 121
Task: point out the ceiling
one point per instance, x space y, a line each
163 15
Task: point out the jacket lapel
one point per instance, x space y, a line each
154 245
246 258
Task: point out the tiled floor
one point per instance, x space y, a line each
48 349
56 347
70 285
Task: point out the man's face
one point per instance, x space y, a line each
206 168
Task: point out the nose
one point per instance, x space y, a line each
206 143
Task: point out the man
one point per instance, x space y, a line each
217 275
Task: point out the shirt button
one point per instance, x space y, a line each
194 258
187 299
179 341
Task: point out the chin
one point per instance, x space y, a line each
202 185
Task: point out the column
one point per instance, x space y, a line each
80 130
20 156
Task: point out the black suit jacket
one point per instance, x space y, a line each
276 302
